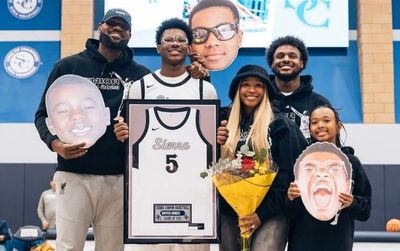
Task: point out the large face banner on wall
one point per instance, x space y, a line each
217 35
322 172
76 110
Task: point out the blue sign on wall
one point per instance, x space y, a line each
30 15
396 55
20 94
396 58
396 14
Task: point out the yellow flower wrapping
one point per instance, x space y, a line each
243 195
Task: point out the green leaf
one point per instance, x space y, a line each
203 174
262 154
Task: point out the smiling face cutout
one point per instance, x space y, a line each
322 172
76 110
218 51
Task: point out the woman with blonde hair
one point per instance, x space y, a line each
253 121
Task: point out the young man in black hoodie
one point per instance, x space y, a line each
287 57
90 180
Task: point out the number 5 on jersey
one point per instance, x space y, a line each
172 164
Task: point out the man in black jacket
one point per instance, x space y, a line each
287 57
90 180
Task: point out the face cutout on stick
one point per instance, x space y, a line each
217 36
322 172
76 110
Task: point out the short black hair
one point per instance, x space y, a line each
174 23
337 120
287 40
205 4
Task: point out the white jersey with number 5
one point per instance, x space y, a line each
169 155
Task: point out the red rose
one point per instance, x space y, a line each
247 164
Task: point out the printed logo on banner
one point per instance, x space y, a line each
304 9
24 9
319 23
22 62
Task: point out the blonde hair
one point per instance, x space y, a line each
258 134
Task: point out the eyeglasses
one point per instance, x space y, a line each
112 23
333 167
171 40
222 32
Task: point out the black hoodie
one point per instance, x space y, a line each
106 156
297 106
308 233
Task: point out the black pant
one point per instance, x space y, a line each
270 236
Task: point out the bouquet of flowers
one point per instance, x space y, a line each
243 181
43 247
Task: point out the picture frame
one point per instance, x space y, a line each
170 143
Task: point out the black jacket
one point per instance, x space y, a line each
298 105
106 156
308 233
287 143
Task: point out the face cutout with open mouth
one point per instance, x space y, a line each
322 172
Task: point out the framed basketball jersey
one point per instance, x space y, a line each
170 143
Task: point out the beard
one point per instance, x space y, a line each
286 77
106 40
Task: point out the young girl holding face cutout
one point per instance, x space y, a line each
309 233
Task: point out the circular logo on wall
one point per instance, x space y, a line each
24 9
22 62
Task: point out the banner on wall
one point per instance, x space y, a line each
29 47
32 15
320 23
25 67
24 10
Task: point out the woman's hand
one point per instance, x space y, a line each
249 223
222 133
